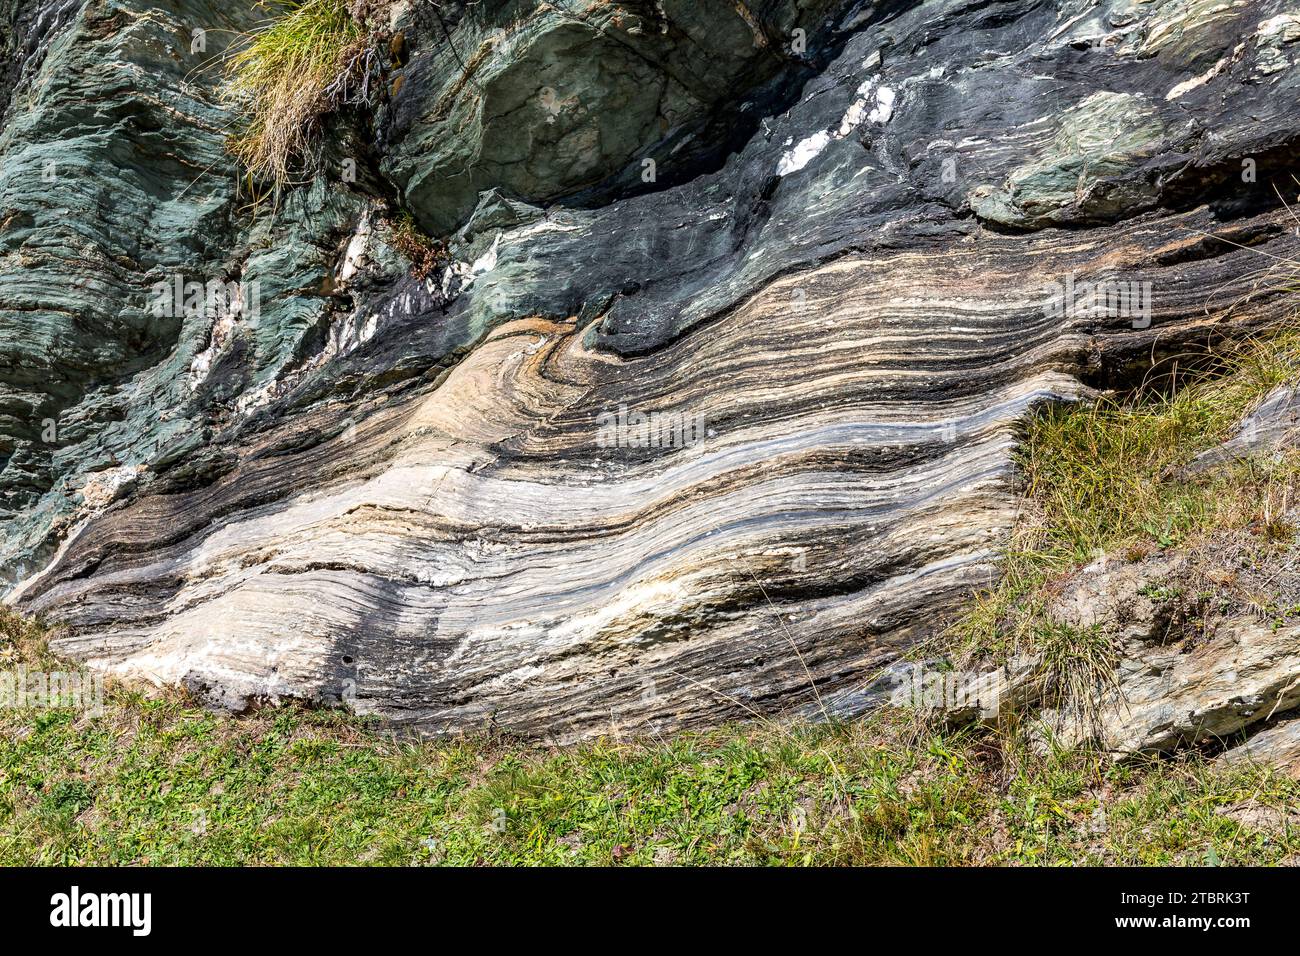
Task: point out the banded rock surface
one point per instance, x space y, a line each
646 452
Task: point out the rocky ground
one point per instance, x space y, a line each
710 408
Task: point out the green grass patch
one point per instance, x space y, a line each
292 72
1103 474
1106 478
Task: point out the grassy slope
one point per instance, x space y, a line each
1105 478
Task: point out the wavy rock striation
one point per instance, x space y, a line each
711 412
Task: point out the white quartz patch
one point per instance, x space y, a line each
201 365
884 108
1188 85
803 153
459 276
102 487
871 104
1284 25
354 254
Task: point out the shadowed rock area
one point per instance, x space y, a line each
710 410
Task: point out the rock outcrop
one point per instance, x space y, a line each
1190 671
1278 746
711 411
1273 429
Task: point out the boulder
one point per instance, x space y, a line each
1277 746
1271 429
545 100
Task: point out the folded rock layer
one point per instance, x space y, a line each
649 450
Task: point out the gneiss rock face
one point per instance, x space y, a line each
652 450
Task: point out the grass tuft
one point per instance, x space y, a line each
299 67
1076 673
22 641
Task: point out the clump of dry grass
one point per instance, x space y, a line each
299 67
23 641
425 255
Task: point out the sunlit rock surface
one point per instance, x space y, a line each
711 412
